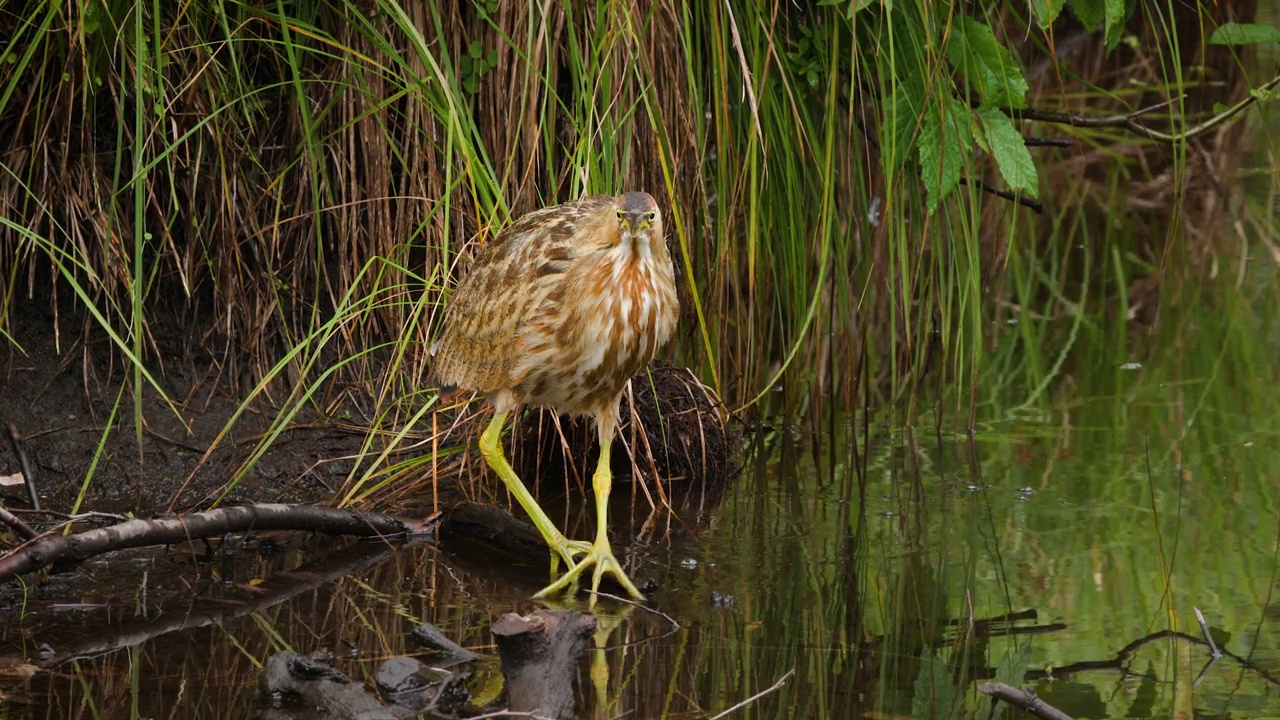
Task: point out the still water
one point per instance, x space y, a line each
876 570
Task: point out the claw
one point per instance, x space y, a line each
569 550
599 555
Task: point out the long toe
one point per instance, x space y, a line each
570 551
607 563
602 559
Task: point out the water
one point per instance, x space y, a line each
876 582
877 571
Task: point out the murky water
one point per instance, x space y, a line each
1055 550
882 571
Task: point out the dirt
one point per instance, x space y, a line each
58 385
57 389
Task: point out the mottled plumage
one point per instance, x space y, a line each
560 310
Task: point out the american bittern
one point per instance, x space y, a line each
560 310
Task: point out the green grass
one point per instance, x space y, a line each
314 178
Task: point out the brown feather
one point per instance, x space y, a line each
563 307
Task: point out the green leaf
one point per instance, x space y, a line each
475 50
945 139
987 65
1010 151
1046 11
980 138
1116 14
1244 34
1012 671
1262 95
1090 12
934 691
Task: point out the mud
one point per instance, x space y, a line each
58 385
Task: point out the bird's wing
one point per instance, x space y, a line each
494 302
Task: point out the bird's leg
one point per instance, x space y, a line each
561 547
601 554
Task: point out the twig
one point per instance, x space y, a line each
1033 205
1129 122
68 519
772 688
1048 142
510 713
25 531
24 462
642 606
1208 638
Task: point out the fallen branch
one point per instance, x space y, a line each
1025 699
76 548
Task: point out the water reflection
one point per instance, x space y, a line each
1063 554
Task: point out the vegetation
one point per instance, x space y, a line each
284 192
1032 231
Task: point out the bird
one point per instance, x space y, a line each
559 310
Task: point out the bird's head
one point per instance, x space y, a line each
638 216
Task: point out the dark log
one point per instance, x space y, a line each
428 636
1024 699
497 529
539 659
322 687
139 533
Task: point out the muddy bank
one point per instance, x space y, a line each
58 386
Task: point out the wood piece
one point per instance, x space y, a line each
496 528
428 636
322 687
1024 699
539 655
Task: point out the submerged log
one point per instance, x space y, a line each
539 659
1025 700
322 687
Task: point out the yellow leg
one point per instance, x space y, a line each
601 554
561 547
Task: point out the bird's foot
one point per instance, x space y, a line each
569 550
601 556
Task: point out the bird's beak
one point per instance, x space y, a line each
636 222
